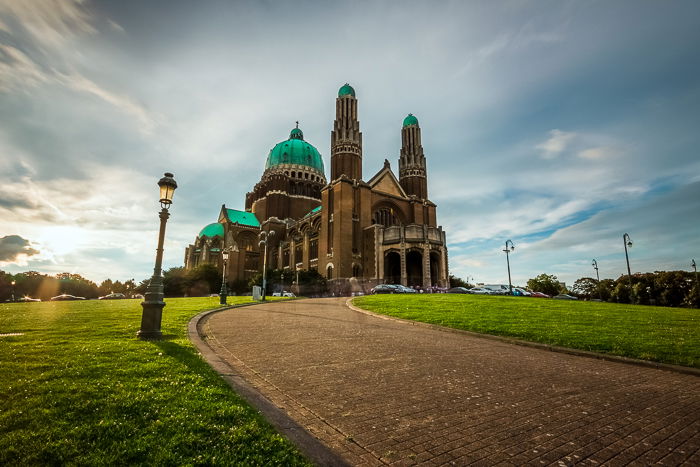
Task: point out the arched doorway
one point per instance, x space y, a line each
434 268
392 267
414 268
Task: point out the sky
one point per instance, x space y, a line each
559 125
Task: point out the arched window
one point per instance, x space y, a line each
385 216
329 272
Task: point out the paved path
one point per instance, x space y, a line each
379 391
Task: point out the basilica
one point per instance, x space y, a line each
356 233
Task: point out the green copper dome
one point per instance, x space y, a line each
410 120
295 151
346 90
212 230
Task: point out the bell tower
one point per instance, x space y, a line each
346 138
412 172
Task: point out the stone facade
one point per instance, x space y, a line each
357 233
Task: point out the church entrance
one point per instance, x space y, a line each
434 268
392 268
414 268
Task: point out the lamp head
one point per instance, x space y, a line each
629 243
225 255
167 186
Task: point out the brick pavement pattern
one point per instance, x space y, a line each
380 391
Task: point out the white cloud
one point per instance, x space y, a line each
556 143
49 22
601 152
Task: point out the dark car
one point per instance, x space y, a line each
114 296
64 296
458 290
564 296
539 295
385 288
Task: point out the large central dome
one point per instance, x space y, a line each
295 151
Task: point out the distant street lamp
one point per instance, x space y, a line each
13 290
265 236
692 264
153 300
597 276
507 251
627 241
224 255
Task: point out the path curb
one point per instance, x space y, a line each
310 446
536 345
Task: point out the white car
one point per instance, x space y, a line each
480 291
283 294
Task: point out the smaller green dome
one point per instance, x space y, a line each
410 120
296 133
346 90
212 230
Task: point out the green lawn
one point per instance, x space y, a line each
79 388
668 335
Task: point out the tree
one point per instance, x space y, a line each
175 282
203 280
586 287
545 283
458 282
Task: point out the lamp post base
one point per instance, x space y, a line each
150 320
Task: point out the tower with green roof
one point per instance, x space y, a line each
346 138
412 169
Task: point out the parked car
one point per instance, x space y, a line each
385 288
65 296
28 299
458 290
497 289
563 296
112 296
520 292
539 295
481 291
404 289
283 294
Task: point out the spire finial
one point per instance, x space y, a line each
297 123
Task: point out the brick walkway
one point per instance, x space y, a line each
381 392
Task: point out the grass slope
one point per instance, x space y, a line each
668 335
79 388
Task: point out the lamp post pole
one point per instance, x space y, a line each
627 241
692 264
13 290
265 236
223 293
509 247
597 276
153 300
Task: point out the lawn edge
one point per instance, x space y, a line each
537 345
309 445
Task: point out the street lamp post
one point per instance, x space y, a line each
13 290
509 247
153 301
692 264
223 293
627 241
265 236
597 276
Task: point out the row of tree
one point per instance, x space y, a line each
37 285
663 288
